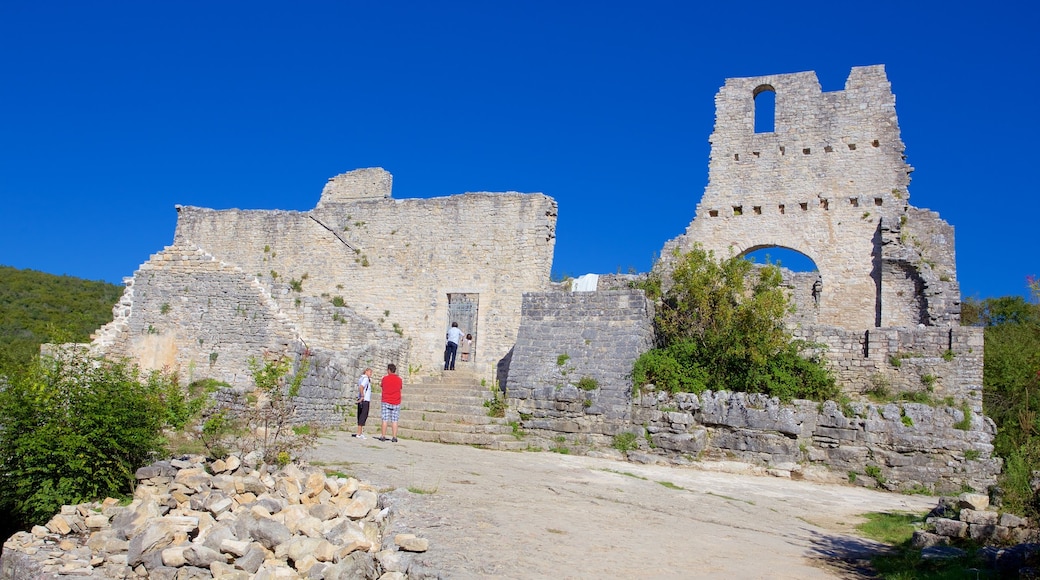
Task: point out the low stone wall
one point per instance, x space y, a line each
906 446
571 340
968 517
944 362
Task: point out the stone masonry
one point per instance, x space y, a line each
364 279
360 280
830 181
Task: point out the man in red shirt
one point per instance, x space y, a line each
391 384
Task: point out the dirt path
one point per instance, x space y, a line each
545 515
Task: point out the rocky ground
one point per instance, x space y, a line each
546 515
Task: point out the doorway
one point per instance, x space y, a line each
462 308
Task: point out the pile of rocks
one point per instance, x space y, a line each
228 519
968 517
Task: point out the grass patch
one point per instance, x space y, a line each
671 485
747 501
892 528
904 562
421 490
336 473
626 473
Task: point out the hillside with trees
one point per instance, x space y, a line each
37 308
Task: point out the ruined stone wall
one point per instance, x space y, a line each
942 362
394 262
568 336
907 446
185 311
822 182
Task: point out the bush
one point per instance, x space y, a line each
625 442
76 429
721 327
264 419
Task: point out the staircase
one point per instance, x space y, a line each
449 408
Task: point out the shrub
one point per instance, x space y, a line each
588 384
262 420
624 441
496 405
76 428
721 326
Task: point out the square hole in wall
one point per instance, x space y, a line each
852 146
875 143
854 201
781 206
757 210
756 153
804 206
736 157
828 149
782 149
878 201
738 210
806 151
825 204
713 213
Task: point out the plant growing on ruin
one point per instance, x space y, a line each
496 405
588 383
721 327
296 285
562 359
263 420
165 308
338 301
873 471
625 442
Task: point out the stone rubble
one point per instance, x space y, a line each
229 519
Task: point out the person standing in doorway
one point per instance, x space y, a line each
454 336
466 347
391 385
364 401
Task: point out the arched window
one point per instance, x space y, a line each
765 109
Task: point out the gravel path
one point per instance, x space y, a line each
497 514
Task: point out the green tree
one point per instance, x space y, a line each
720 325
74 428
1011 387
36 308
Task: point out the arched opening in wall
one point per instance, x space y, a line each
801 278
765 109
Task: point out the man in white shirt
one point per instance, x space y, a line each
454 336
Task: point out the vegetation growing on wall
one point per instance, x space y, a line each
720 326
1011 388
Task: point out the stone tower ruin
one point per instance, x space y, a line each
830 180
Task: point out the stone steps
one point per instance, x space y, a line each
449 408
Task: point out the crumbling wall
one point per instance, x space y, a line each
394 262
830 180
566 337
184 311
944 363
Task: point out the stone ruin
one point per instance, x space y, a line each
364 279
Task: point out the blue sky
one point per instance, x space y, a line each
111 112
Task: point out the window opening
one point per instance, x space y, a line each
765 109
